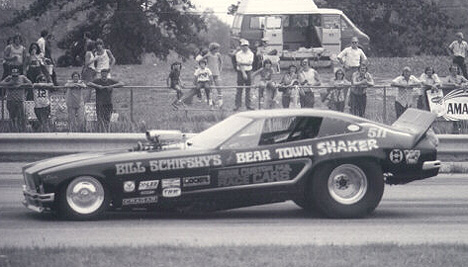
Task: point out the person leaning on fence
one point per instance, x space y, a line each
289 88
361 80
266 86
307 77
15 96
244 61
215 64
104 107
459 49
175 82
336 96
34 67
429 81
406 83
41 90
75 103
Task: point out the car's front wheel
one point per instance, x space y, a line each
83 198
346 190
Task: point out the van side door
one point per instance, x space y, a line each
331 33
274 33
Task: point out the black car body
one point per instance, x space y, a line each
325 161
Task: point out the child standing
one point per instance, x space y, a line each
174 81
42 102
289 88
266 73
215 64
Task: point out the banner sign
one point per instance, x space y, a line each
452 107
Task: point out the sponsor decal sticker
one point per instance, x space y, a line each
172 182
196 181
129 168
254 175
330 147
147 185
171 192
294 152
412 156
396 156
185 163
148 192
139 200
129 186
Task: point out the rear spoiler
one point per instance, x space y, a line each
415 122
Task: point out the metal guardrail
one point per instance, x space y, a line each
52 144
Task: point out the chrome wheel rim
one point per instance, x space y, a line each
85 195
347 184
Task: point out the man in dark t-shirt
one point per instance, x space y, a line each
103 87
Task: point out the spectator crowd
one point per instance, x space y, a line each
29 74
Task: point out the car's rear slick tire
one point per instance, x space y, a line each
346 189
83 198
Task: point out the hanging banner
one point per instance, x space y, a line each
452 107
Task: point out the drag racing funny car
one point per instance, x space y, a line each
325 161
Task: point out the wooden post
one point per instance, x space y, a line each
131 105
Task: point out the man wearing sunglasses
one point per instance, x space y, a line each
351 58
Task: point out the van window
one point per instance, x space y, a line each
344 24
316 20
257 22
299 21
273 22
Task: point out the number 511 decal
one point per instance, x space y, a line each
377 133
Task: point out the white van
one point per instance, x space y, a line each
295 28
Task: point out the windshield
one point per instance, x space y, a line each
218 133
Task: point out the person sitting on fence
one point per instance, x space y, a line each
15 96
175 82
429 81
75 103
336 96
202 79
307 77
41 90
104 107
362 79
289 88
266 99
405 84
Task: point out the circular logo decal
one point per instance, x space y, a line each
353 128
396 156
129 186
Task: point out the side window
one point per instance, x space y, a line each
273 22
316 20
257 22
280 130
299 21
286 23
247 138
344 24
334 127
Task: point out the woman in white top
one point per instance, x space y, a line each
103 57
88 74
15 54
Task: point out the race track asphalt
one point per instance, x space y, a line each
431 211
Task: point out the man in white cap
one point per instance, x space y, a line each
244 59
459 49
405 84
